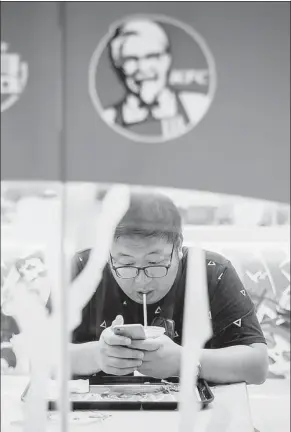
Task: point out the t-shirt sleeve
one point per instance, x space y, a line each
233 314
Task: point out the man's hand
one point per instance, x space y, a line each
115 354
162 357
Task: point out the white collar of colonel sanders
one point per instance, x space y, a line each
166 106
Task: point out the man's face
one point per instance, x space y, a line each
141 252
145 64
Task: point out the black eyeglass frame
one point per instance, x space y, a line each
142 268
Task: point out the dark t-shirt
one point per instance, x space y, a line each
232 312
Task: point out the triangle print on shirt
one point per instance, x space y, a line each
237 322
103 325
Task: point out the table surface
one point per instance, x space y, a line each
229 412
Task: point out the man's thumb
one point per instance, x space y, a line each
118 320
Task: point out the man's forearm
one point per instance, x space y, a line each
234 364
84 358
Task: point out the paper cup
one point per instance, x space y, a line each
154 332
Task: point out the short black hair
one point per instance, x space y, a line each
151 215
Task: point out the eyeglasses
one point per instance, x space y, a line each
131 272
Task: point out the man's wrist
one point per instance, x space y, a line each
179 363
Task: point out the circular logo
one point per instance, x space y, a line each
152 78
14 75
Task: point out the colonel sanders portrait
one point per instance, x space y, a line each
141 55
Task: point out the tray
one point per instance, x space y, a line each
132 393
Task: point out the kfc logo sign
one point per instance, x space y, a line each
14 75
152 78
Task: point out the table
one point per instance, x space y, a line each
270 405
229 412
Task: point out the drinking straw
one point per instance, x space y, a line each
145 316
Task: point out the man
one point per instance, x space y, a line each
147 257
140 52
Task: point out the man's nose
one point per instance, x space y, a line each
143 65
141 278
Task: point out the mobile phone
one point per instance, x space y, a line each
138 331
132 331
